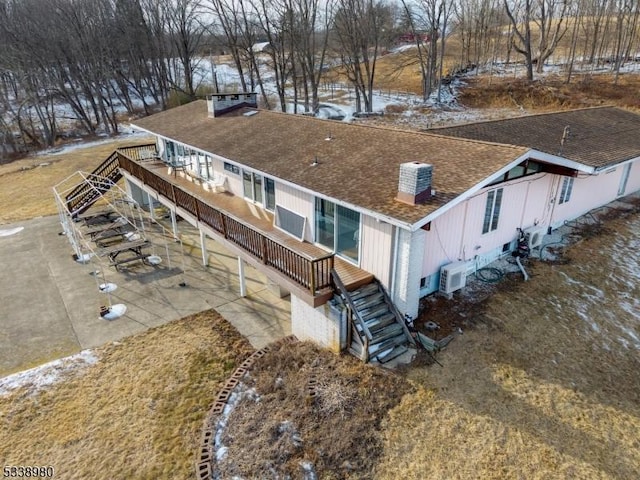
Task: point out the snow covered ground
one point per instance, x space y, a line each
35 379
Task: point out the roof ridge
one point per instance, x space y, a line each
399 130
537 114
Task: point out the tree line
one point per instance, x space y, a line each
100 58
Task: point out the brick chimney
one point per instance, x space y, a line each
414 184
220 103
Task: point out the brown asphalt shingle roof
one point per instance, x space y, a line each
359 165
598 136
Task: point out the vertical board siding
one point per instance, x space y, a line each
633 185
376 248
298 202
457 234
442 242
588 193
234 182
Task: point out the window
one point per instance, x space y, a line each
252 185
338 228
269 193
492 210
206 166
528 167
231 168
565 193
290 222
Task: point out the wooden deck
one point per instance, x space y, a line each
352 277
239 221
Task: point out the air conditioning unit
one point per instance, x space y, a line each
535 236
453 277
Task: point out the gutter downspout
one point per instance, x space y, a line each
554 190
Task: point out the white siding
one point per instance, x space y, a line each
411 249
633 184
299 202
592 191
376 243
234 182
457 234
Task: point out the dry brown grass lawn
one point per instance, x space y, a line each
338 432
26 187
136 414
552 93
533 391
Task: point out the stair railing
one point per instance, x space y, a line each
347 297
395 311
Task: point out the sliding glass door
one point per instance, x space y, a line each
325 223
338 229
269 194
252 186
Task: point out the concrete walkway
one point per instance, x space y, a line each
49 304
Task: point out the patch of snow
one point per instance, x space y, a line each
7 232
403 48
308 470
240 393
81 144
35 379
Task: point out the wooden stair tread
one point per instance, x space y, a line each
394 353
364 291
372 299
382 321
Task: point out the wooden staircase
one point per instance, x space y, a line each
83 196
377 330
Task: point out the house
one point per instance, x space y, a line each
380 215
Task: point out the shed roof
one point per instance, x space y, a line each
597 137
359 165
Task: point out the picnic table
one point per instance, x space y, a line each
136 247
97 218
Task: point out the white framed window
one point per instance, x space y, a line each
231 168
492 210
565 192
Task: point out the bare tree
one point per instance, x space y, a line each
549 16
185 29
358 25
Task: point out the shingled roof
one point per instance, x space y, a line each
359 165
598 137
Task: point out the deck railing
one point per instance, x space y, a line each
312 273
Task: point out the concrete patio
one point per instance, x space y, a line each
49 303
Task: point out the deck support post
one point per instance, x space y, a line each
243 285
203 247
151 212
174 224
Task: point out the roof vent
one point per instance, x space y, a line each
414 183
250 113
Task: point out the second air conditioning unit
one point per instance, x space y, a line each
535 236
453 277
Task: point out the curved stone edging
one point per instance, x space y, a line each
205 454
